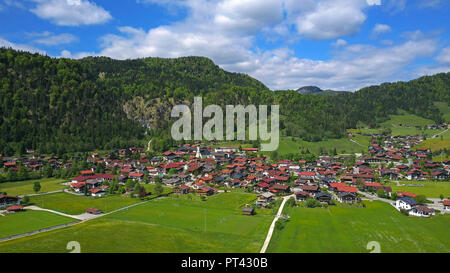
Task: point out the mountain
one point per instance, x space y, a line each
314 90
309 90
58 105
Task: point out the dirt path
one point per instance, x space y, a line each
272 226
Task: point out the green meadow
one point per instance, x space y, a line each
162 225
26 187
349 230
429 189
18 223
445 110
77 204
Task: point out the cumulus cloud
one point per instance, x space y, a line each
71 12
444 56
331 19
380 29
51 39
226 30
340 43
8 44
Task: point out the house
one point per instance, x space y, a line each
301 196
312 190
262 187
347 197
78 187
7 201
97 192
283 189
205 191
248 211
405 203
264 199
137 176
181 190
323 197
93 211
14 209
422 211
371 186
447 205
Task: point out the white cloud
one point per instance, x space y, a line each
353 67
71 12
332 19
373 2
247 16
340 43
380 29
230 42
50 39
8 44
444 56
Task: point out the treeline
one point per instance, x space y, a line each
57 105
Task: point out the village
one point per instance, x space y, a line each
205 170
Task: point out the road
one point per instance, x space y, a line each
82 217
376 198
436 135
272 226
354 141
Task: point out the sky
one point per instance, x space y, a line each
286 44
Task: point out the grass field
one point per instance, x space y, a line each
18 223
445 110
348 230
430 189
164 225
289 145
26 187
74 205
405 119
437 143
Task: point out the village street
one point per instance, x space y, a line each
272 226
376 198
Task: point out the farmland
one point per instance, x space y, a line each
166 224
12 224
26 187
75 204
348 230
429 189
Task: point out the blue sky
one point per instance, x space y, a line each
286 44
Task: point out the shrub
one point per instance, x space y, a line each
312 203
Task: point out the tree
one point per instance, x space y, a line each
312 203
291 202
441 196
141 192
158 189
26 200
36 187
48 171
421 199
22 174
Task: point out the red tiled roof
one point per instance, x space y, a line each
15 207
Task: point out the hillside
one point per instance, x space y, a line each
62 105
314 90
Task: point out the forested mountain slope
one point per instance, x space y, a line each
60 105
